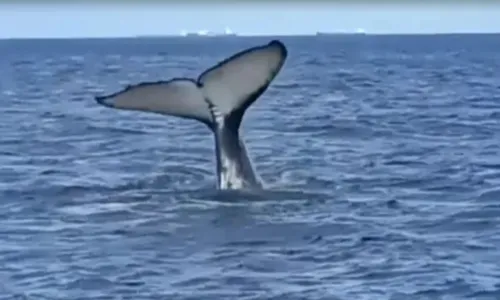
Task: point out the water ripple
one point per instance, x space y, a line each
380 156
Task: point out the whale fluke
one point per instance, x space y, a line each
218 98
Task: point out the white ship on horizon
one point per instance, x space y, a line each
207 33
358 31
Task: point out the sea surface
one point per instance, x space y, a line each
380 154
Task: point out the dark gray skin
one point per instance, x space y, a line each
234 167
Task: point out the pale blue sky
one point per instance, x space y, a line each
111 20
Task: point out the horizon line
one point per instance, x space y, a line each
323 34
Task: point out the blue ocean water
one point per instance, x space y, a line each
380 153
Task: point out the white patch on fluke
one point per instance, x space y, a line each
177 97
219 98
232 83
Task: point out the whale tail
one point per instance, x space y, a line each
221 94
218 98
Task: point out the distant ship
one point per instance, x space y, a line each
206 33
359 31
228 32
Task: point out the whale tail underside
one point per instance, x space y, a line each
221 94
